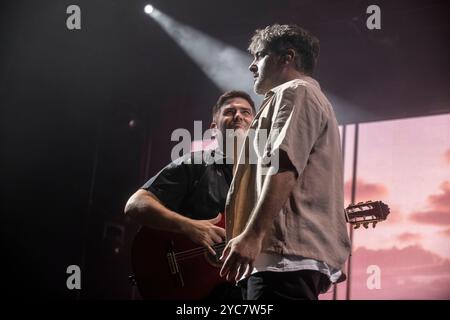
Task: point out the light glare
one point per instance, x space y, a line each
148 9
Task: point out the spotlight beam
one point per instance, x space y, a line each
226 66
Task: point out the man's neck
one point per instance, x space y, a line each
289 75
292 74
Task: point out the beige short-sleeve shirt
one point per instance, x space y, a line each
297 118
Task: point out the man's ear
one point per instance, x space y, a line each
289 56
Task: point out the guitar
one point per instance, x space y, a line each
168 266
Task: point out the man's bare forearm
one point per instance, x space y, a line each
241 251
275 193
145 208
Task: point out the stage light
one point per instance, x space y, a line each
225 65
148 9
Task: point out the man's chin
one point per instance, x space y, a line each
258 88
235 132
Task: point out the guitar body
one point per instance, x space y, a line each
168 266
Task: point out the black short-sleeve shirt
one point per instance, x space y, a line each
197 191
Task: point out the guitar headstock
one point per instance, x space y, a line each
364 213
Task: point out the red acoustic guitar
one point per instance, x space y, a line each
168 266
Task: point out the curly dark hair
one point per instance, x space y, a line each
230 95
278 38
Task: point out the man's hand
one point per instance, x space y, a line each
239 255
205 232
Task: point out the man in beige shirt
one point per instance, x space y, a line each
285 222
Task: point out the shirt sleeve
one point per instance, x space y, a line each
171 184
296 126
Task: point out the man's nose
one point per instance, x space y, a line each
253 68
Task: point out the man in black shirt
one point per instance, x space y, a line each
189 194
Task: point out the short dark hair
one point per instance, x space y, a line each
278 38
230 95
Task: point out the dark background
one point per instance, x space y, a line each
69 157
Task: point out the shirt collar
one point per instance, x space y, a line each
215 154
282 86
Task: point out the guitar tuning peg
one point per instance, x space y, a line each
366 225
374 224
357 226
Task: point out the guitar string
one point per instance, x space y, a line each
200 248
192 254
188 257
182 255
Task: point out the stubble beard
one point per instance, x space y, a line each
258 86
